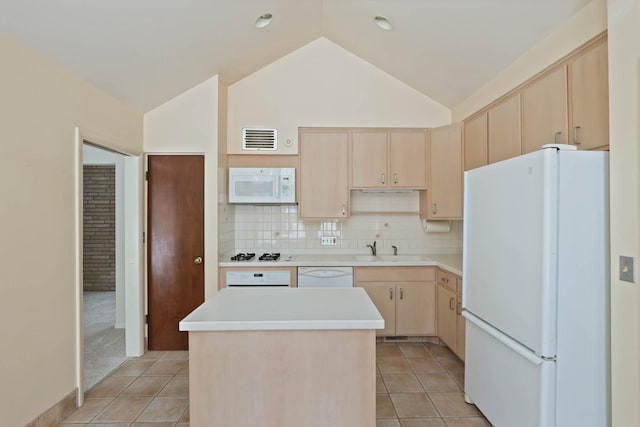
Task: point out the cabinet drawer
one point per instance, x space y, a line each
395 274
447 280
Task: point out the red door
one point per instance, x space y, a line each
175 259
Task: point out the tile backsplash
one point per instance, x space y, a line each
278 228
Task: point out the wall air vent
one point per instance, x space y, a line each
254 139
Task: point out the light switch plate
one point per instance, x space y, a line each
626 269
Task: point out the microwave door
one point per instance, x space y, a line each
252 189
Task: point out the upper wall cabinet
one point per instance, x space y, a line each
444 196
589 95
324 173
369 159
504 129
475 141
388 158
566 104
544 111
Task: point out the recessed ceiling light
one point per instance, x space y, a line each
264 20
383 23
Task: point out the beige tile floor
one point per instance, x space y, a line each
418 385
151 391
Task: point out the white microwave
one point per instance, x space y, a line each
262 185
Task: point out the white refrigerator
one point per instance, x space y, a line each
536 289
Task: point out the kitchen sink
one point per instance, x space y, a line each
390 258
366 258
400 258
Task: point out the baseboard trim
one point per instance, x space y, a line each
58 412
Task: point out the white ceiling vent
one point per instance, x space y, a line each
254 139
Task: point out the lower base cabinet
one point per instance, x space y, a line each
461 323
451 323
405 297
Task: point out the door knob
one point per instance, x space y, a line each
197 260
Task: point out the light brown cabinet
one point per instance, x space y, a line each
504 130
544 111
566 104
451 323
447 319
324 174
460 322
383 158
444 196
475 141
589 95
405 297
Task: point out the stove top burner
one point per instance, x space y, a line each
269 257
243 257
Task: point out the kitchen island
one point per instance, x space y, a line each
283 357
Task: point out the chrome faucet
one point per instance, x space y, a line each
395 250
373 248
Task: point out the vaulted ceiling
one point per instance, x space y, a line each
144 52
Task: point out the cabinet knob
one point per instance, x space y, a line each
452 303
459 310
390 293
575 135
395 178
434 208
344 210
401 293
383 179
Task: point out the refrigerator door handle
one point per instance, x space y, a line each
504 339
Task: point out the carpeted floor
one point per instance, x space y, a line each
104 347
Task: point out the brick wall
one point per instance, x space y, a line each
99 228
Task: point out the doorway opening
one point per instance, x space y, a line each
103 263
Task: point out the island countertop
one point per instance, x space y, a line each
285 309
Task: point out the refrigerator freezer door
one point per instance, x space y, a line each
509 384
510 247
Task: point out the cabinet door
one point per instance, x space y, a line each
383 296
416 308
369 159
447 317
475 142
504 130
445 173
461 326
589 94
408 159
324 189
544 111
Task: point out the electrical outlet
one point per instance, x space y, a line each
626 269
328 240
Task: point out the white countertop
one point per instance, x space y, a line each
284 309
451 263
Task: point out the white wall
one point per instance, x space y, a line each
96 156
624 113
41 104
583 26
188 123
322 84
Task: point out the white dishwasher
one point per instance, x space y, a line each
325 277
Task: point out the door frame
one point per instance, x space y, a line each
133 268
